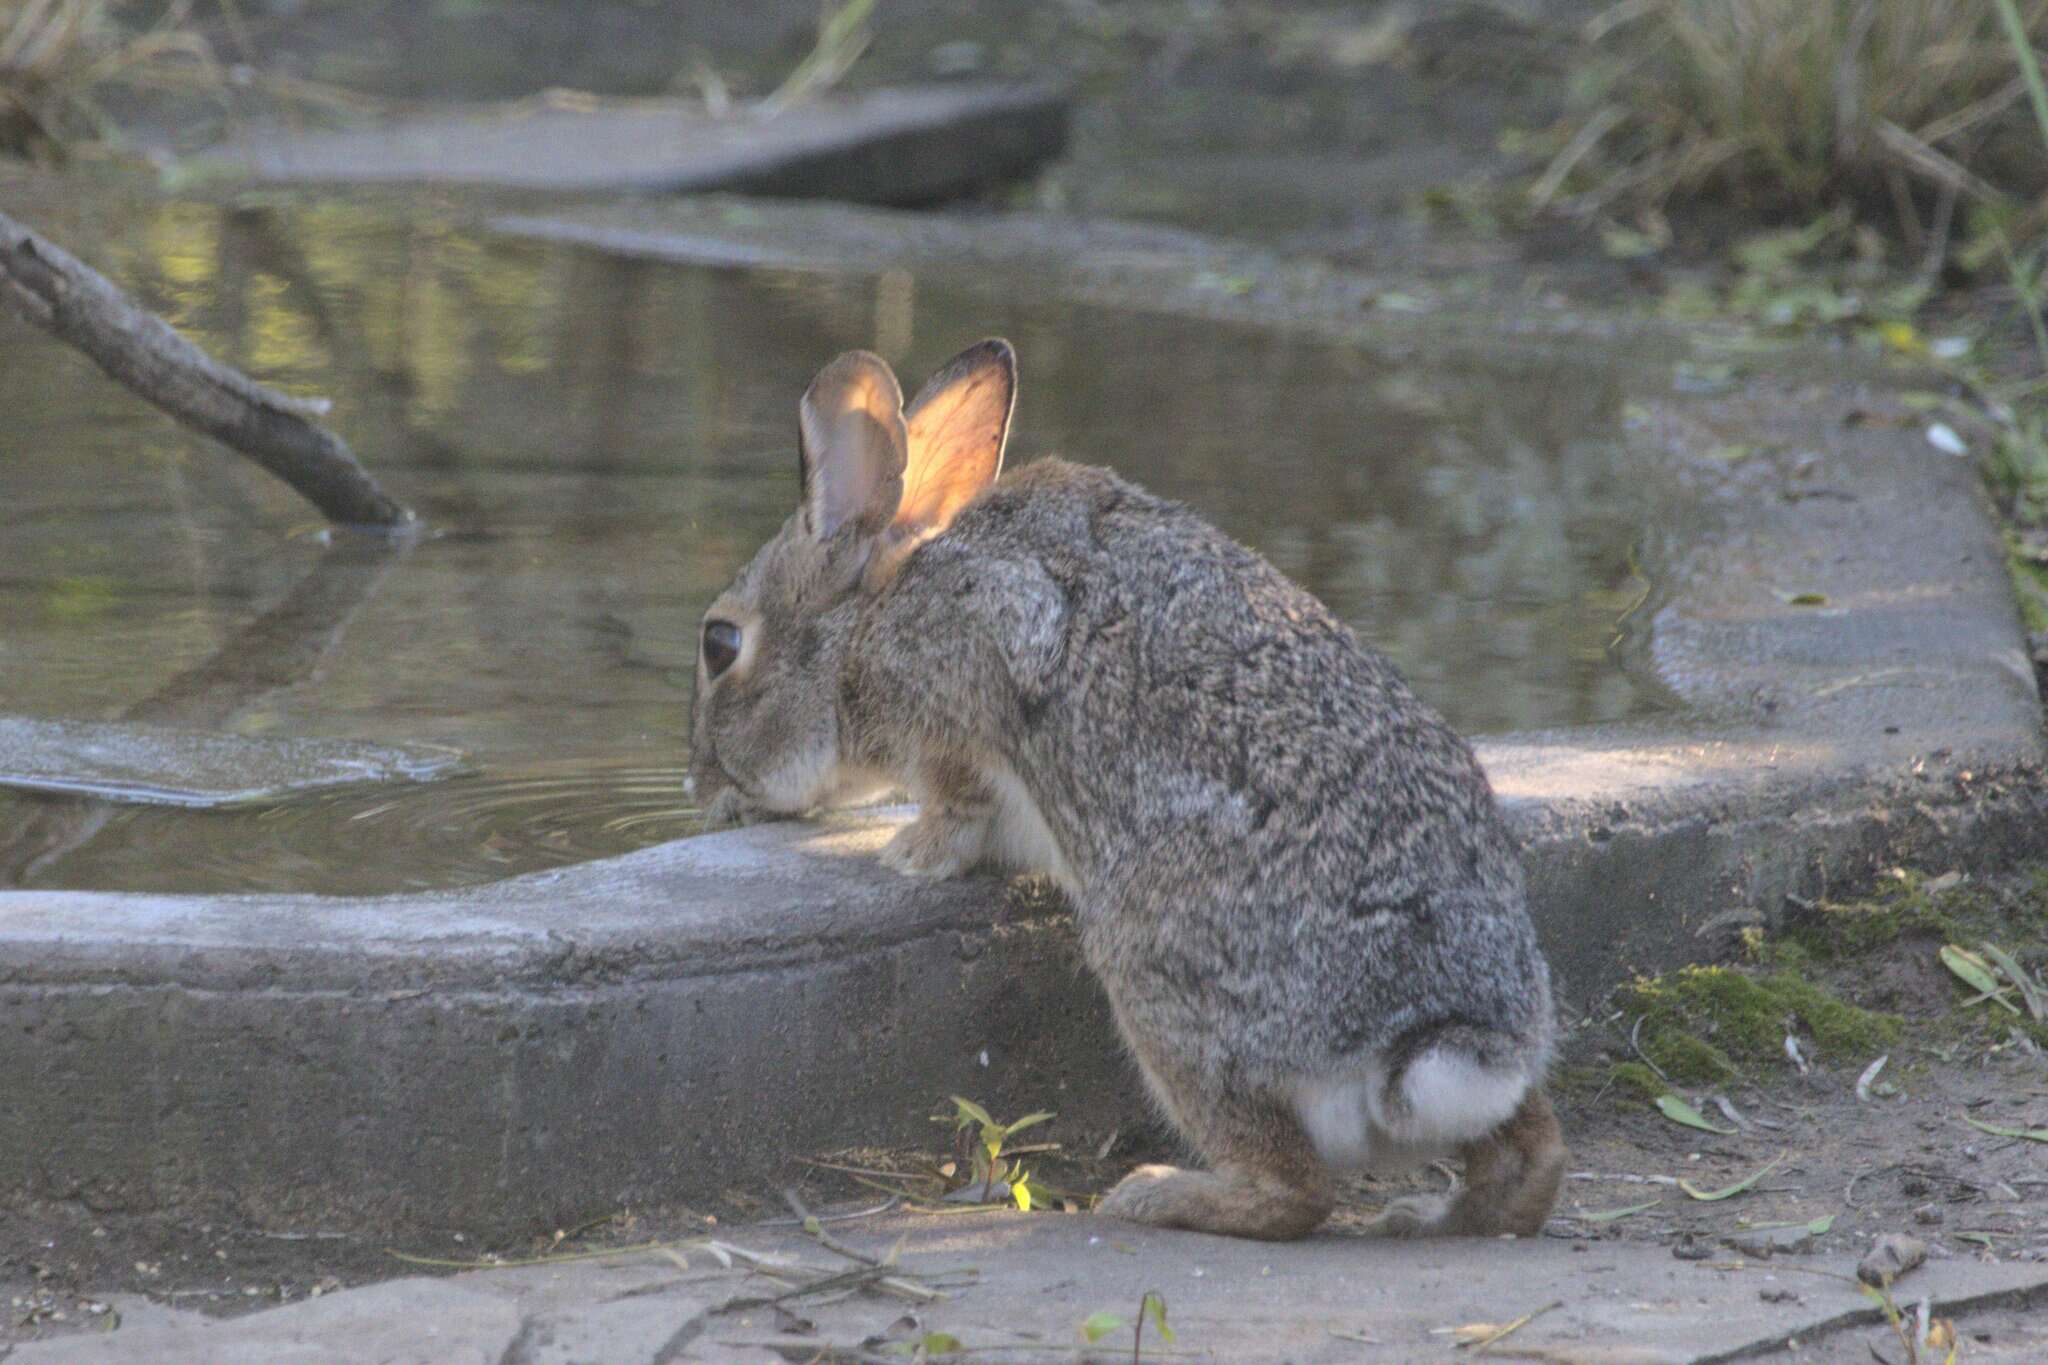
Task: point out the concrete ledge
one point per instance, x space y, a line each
673 1023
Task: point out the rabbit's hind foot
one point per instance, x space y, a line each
1511 1180
1230 1202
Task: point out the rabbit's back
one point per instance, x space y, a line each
1264 823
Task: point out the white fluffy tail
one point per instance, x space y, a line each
1448 1096
1443 1097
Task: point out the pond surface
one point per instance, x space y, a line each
597 442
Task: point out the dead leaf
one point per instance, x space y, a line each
1611 1215
2000 1130
1728 1192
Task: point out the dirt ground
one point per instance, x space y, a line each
1838 1169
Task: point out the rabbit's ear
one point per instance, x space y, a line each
958 423
852 446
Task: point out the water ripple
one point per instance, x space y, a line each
439 834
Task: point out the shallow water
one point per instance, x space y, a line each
598 442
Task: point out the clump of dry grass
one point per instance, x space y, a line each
58 57
1799 105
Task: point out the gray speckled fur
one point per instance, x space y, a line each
1286 868
1282 855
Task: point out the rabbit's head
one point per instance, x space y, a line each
877 481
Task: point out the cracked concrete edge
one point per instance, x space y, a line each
670 1024
1870 1315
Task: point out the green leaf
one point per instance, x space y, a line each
1154 1306
1819 1227
1028 1121
1978 975
2000 1130
1611 1215
2030 989
1678 1111
1975 972
1809 599
1100 1325
931 1343
969 1110
1709 1196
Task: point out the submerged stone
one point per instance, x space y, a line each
155 765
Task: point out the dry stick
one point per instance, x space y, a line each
823 1238
895 1284
76 304
1481 1346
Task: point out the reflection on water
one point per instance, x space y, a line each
378 839
597 443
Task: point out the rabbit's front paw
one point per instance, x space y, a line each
730 810
937 844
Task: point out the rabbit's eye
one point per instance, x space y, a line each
721 646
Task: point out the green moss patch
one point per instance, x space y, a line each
1702 1025
1905 908
1636 1079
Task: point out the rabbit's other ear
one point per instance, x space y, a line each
958 423
852 446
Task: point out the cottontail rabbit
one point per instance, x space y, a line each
1287 871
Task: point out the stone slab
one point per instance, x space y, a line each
399 1322
912 145
158 765
1022 1285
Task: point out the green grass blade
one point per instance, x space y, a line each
2023 54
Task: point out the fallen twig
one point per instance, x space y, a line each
71 301
1501 1333
884 1207
811 1225
810 1349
